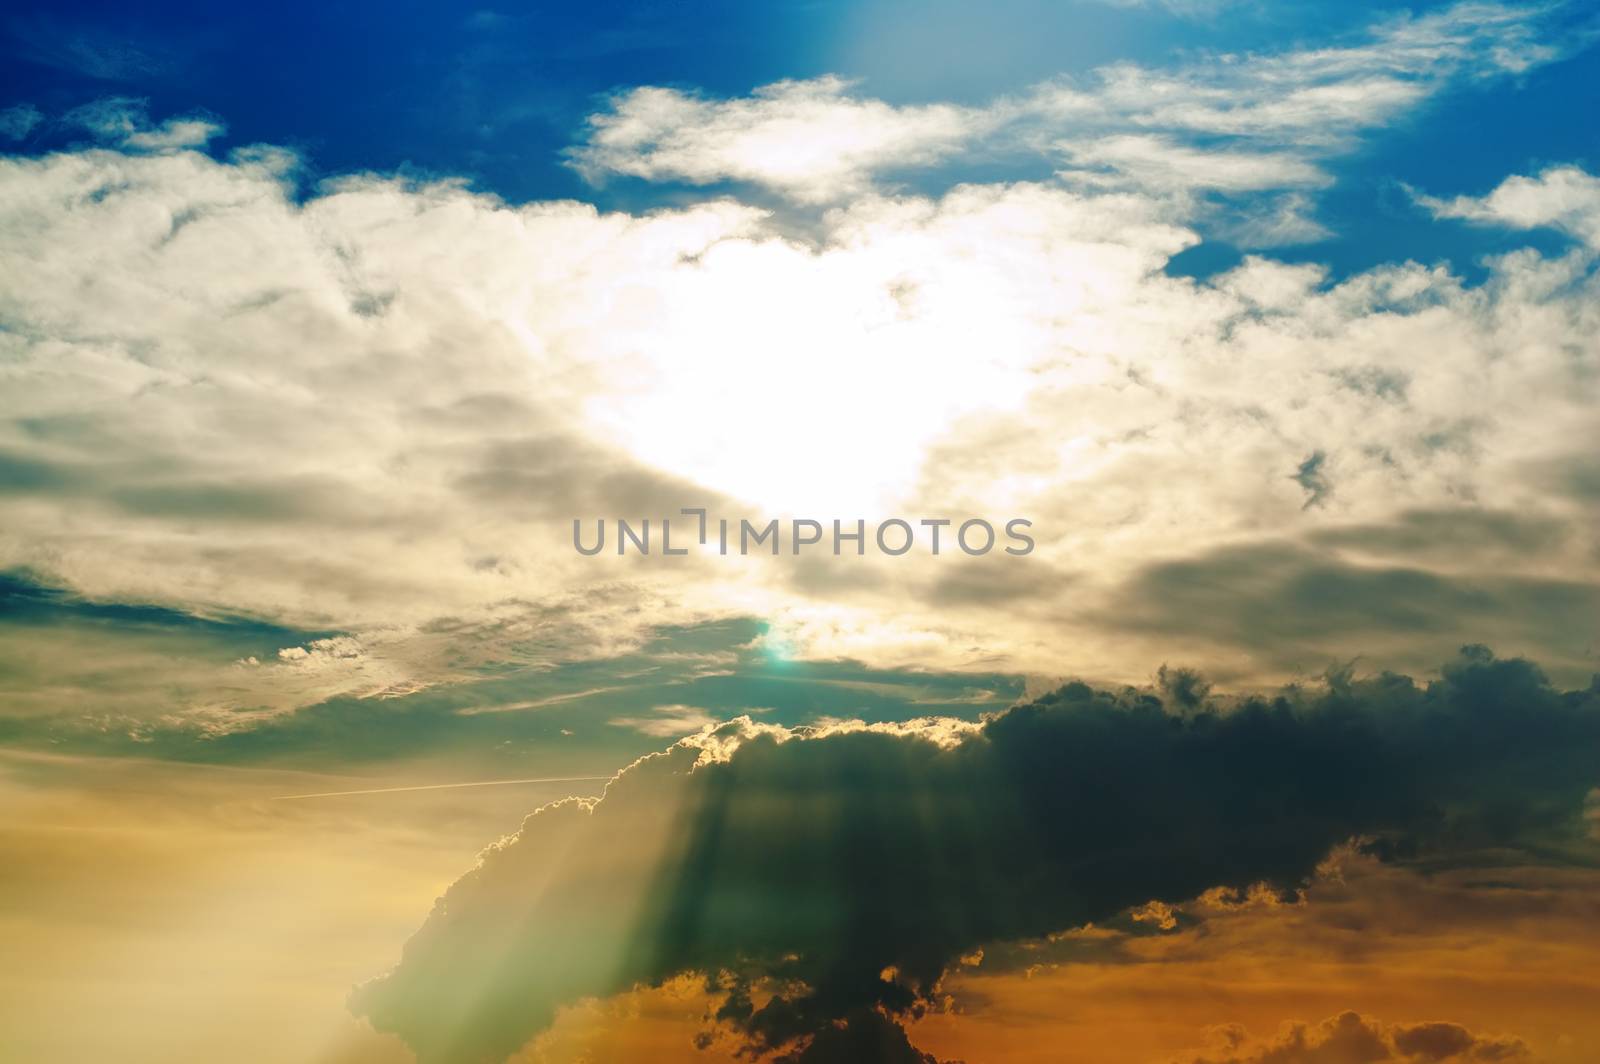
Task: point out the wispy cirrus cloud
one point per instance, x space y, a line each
92 49
125 121
1162 162
1229 124
668 721
18 120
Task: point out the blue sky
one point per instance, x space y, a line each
568 262
496 95
323 326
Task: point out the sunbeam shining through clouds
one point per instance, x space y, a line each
832 531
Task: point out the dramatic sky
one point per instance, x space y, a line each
321 326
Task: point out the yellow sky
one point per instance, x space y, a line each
155 912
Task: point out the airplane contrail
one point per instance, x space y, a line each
436 787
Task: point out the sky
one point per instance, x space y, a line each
1260 336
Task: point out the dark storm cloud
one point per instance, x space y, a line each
1297 604
1466 533
827 879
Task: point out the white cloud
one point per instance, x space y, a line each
1161 163
125 122
1279 221
1562 197
1275 115
807 139
174 134
1181 8
669 721
376 408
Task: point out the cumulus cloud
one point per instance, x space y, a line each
808 139
338 434
1350 1038
823 880
1365 935
477 374
227 390
1562 197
